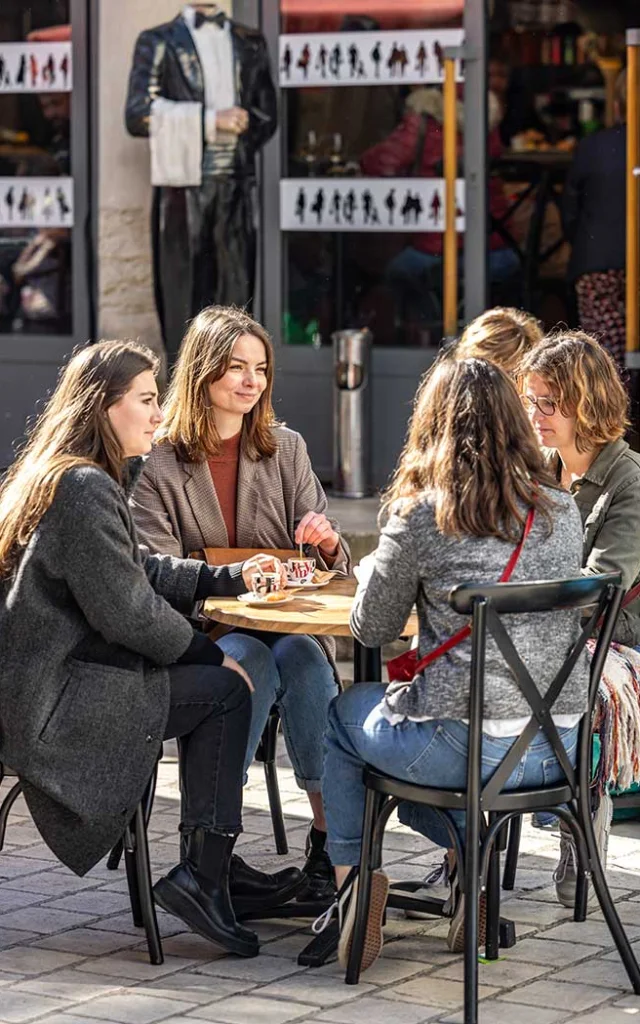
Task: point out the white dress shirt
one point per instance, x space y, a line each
215 51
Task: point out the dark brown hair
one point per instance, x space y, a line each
73 430
472 451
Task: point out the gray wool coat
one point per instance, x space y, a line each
176 509
88 625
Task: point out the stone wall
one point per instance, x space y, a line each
125 291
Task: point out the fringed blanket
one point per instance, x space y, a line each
617 719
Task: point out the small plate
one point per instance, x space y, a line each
261 602
294 585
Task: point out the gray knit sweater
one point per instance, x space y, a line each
414 562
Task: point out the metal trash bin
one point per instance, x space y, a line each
352 413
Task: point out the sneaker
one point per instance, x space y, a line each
345 908
545 820
566 872
318 870
455 904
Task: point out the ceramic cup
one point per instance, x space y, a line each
301 570
263 583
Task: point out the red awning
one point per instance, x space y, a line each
298 14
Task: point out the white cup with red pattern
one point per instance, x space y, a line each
301 570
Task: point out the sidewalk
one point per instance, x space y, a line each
70 954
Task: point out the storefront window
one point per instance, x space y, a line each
36 189
362 204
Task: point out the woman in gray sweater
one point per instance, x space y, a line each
469 474
97 663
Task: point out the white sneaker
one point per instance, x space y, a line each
566 872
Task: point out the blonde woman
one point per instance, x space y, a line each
578 406
469 474
97 660
224 473
502 335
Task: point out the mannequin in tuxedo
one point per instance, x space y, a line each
204 234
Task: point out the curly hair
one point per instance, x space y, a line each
584 381
471 448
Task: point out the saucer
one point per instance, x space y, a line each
256 601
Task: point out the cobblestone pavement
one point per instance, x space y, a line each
69 952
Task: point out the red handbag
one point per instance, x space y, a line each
406 666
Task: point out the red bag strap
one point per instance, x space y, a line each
465 632
631 595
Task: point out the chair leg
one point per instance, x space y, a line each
492 941
513 849
267 754
5 808
145 891
354 965
132 876
471 896
113 860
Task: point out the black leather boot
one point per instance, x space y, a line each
317 870
197 891
253 891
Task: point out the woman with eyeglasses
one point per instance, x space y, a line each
578 407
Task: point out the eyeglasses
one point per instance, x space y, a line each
545 406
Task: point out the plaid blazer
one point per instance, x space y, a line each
176 509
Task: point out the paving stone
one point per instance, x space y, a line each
23 1006
29 960
490 1011
42 921
609 973
605 1015
123 923
548 952
423 949
15 899
68 984
385 970
503 973
631 1002
88 941
12 936
376 1011
187 945
133 964
16 867
194 988
559 995
432 991
323 991
131 1008
534 912
93 902
590 932
49 883
251 1010
262 969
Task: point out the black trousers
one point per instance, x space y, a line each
210 712
204 251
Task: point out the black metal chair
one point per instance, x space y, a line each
136 851
489 808
266 754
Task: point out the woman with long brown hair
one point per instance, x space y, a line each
98 662
469 475
225 474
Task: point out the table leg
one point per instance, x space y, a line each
367 664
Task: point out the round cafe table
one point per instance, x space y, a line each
323 612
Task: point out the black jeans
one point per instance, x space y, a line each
210 713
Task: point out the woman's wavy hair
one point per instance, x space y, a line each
471 450
584 380
502 335
73 430
205 356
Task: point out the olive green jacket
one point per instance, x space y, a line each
608 496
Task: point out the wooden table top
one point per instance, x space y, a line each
323 612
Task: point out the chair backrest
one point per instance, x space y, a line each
601 595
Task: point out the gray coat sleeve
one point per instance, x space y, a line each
383 605
310 497
96 558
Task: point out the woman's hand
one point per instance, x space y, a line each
229 662
260 564
314 528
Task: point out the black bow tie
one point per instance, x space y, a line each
218 19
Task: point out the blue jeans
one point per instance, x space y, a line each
294 673
432 753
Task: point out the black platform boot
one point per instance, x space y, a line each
253 891
197 892
317 870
